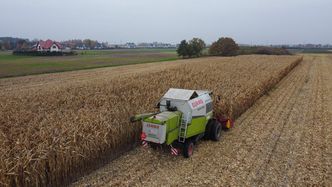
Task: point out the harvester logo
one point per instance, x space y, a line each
197 103
153 126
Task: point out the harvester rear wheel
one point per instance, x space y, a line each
188 149
215 131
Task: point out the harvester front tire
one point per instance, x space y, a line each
216 131
154 146
188 149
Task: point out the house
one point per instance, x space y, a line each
47 46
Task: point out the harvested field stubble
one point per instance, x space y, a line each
53 133
282 140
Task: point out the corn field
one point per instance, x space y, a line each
53 132
284 139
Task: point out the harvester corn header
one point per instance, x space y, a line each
185 117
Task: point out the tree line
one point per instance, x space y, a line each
10 43
84 44
224 46
195 47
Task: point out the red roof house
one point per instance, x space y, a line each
48 46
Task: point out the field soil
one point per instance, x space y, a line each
283 140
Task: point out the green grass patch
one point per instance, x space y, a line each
11 66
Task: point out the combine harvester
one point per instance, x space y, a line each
185 117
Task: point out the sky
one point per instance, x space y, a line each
119 21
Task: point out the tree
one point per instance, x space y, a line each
193 48
91 44
7 45
87 43
197 45
224 47
182 50
22 44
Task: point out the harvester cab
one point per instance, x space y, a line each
184 117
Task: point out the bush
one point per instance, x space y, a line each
263 51
224 47
272 51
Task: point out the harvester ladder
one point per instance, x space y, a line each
183 127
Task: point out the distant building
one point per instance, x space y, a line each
47 46
130 45
155 45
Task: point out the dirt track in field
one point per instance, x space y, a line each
284 139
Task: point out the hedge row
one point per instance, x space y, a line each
43 53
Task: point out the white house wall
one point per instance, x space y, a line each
39 48
56 49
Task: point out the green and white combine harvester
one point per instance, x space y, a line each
185 117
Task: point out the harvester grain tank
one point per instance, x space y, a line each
184 117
